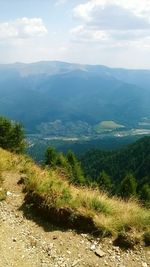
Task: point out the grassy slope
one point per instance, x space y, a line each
109 215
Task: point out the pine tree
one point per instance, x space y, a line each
51 157
104 181
128 186
76 173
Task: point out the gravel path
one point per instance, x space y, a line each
27 241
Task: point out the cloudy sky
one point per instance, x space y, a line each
109 32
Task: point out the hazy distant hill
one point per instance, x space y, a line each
49 91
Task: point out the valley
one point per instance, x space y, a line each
97 137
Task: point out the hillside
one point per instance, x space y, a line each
134 158
48 96
30 229
124 172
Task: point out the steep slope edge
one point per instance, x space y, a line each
81 208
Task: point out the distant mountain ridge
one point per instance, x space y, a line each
47 91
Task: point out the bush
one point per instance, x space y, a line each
11 135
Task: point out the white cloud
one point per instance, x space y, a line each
82 33
117 17
22 28
138 7
113 20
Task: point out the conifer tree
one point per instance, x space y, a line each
128 186
104 181
11 135
76 172
51 157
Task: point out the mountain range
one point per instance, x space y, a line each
46 92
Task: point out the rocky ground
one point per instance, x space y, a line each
27 241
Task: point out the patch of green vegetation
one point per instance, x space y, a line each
107 125
97 205
67 163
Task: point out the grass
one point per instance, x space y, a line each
109 215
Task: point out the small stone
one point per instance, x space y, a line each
14 239
75 263
116 248
33 241
9 193
144 264
100 252
106 263
93 247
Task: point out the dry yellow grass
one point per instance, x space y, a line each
110 215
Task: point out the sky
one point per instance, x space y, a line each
115 33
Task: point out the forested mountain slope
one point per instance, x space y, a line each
135 158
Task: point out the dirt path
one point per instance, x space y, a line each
27 241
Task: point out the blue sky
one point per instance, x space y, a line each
109 32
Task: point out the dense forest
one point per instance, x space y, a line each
130 164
